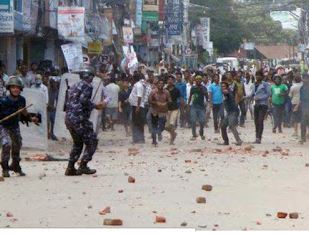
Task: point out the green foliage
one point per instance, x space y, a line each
233 23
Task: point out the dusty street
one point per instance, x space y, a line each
249 185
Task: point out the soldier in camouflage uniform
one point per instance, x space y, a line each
78 109
10 137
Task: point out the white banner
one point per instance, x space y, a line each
71 23
205 23
6 16
73 55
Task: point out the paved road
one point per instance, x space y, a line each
249 187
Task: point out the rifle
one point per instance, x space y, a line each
15 113
66 95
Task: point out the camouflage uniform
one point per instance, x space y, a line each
11 142
78 110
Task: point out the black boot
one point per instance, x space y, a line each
84 169
15 166
71 171
5 169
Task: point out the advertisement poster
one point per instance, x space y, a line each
73 55
6 16
71 23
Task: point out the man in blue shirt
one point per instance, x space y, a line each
181 86
216 102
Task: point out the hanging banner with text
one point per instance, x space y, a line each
174 17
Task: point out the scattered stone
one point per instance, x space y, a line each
90 207
133 151
277 149
183 224
188 171
307 165
160 219
106 210
203 226
9 215
131 179
201 200
207 187
42 175
1 179
293 215
196 151
284 153
248 148
258 223
217 150
95 175
112 222
268 215
120 191
159 170
188 161
281 215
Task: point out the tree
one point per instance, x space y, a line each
226 31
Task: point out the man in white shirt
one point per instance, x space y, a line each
27 79
295 99
249 89
38 84
112 91
137 101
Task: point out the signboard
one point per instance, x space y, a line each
71 23
249 46
6 16
73 55
174 17
149 16
128 37
139 13
95 47
151 5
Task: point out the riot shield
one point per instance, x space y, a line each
35 137
68 80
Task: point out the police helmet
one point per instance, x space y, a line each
15 81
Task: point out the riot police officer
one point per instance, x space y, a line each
10 137
78 109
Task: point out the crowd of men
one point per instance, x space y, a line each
167 99
183 98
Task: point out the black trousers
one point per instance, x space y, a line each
218 112
260 112
138 123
